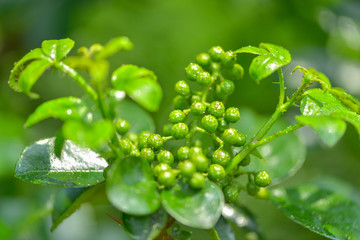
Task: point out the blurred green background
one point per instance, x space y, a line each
324 34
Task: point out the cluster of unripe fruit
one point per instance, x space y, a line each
216 72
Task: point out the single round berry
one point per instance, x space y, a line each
218 94
187 168
231 193
133 137
217 109
203 59
182 88
179 130
262 179
237 72
197 180
204 79
232 115
155 141
180 102
201 162
230 136
183 153
229 59
192 71
227 87
216 172
245 161
177 116
241 140
221 157
222 125
134 152
195 151
161 167
209 151
216 53
147 154
165 156
122 126
167 129
215 67
209 123
167 178
252 189
143 138
125 145
198 108
195 98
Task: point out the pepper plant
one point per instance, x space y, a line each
190 174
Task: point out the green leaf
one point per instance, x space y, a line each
65 108
224 230
131 187
77 167
178 233
139 119
31 74
19 66
194 208
347 99
95 135
144 227
270 59
140 84
327 207
330 129
113 46
284 156
67 201
57 49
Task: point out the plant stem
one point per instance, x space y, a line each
280 133
282 87
213 234
78 79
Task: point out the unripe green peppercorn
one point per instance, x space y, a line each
195 98
217 109
187 168
165 157
252 189
216 172
232 115
180 102
262 179
195 151
143 138
203 59
197 180
216 53
204 79
198 108
122 126
245 161
155 141
209 123
201 162
176 116
134 152
183 153
231 192
167 178
237 72
167 129
125 145
192 71
182 88
230 136
229 59
222 125
214 67
241 140
227 87
133 137
147 154
161 167
221 157
179 130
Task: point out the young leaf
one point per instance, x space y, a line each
330 129
57 49
270 59
194 208
95 135
327 207
68 200
140 84
77 167
131 187
144 227
284 156
311 75
31 74
114 46
16 71
65 108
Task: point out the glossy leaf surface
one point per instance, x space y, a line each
144 227
194 208
270 59
131 187
284 156
327 207
57 49
140 84
113 46
77 167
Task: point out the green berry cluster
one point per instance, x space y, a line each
198 114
